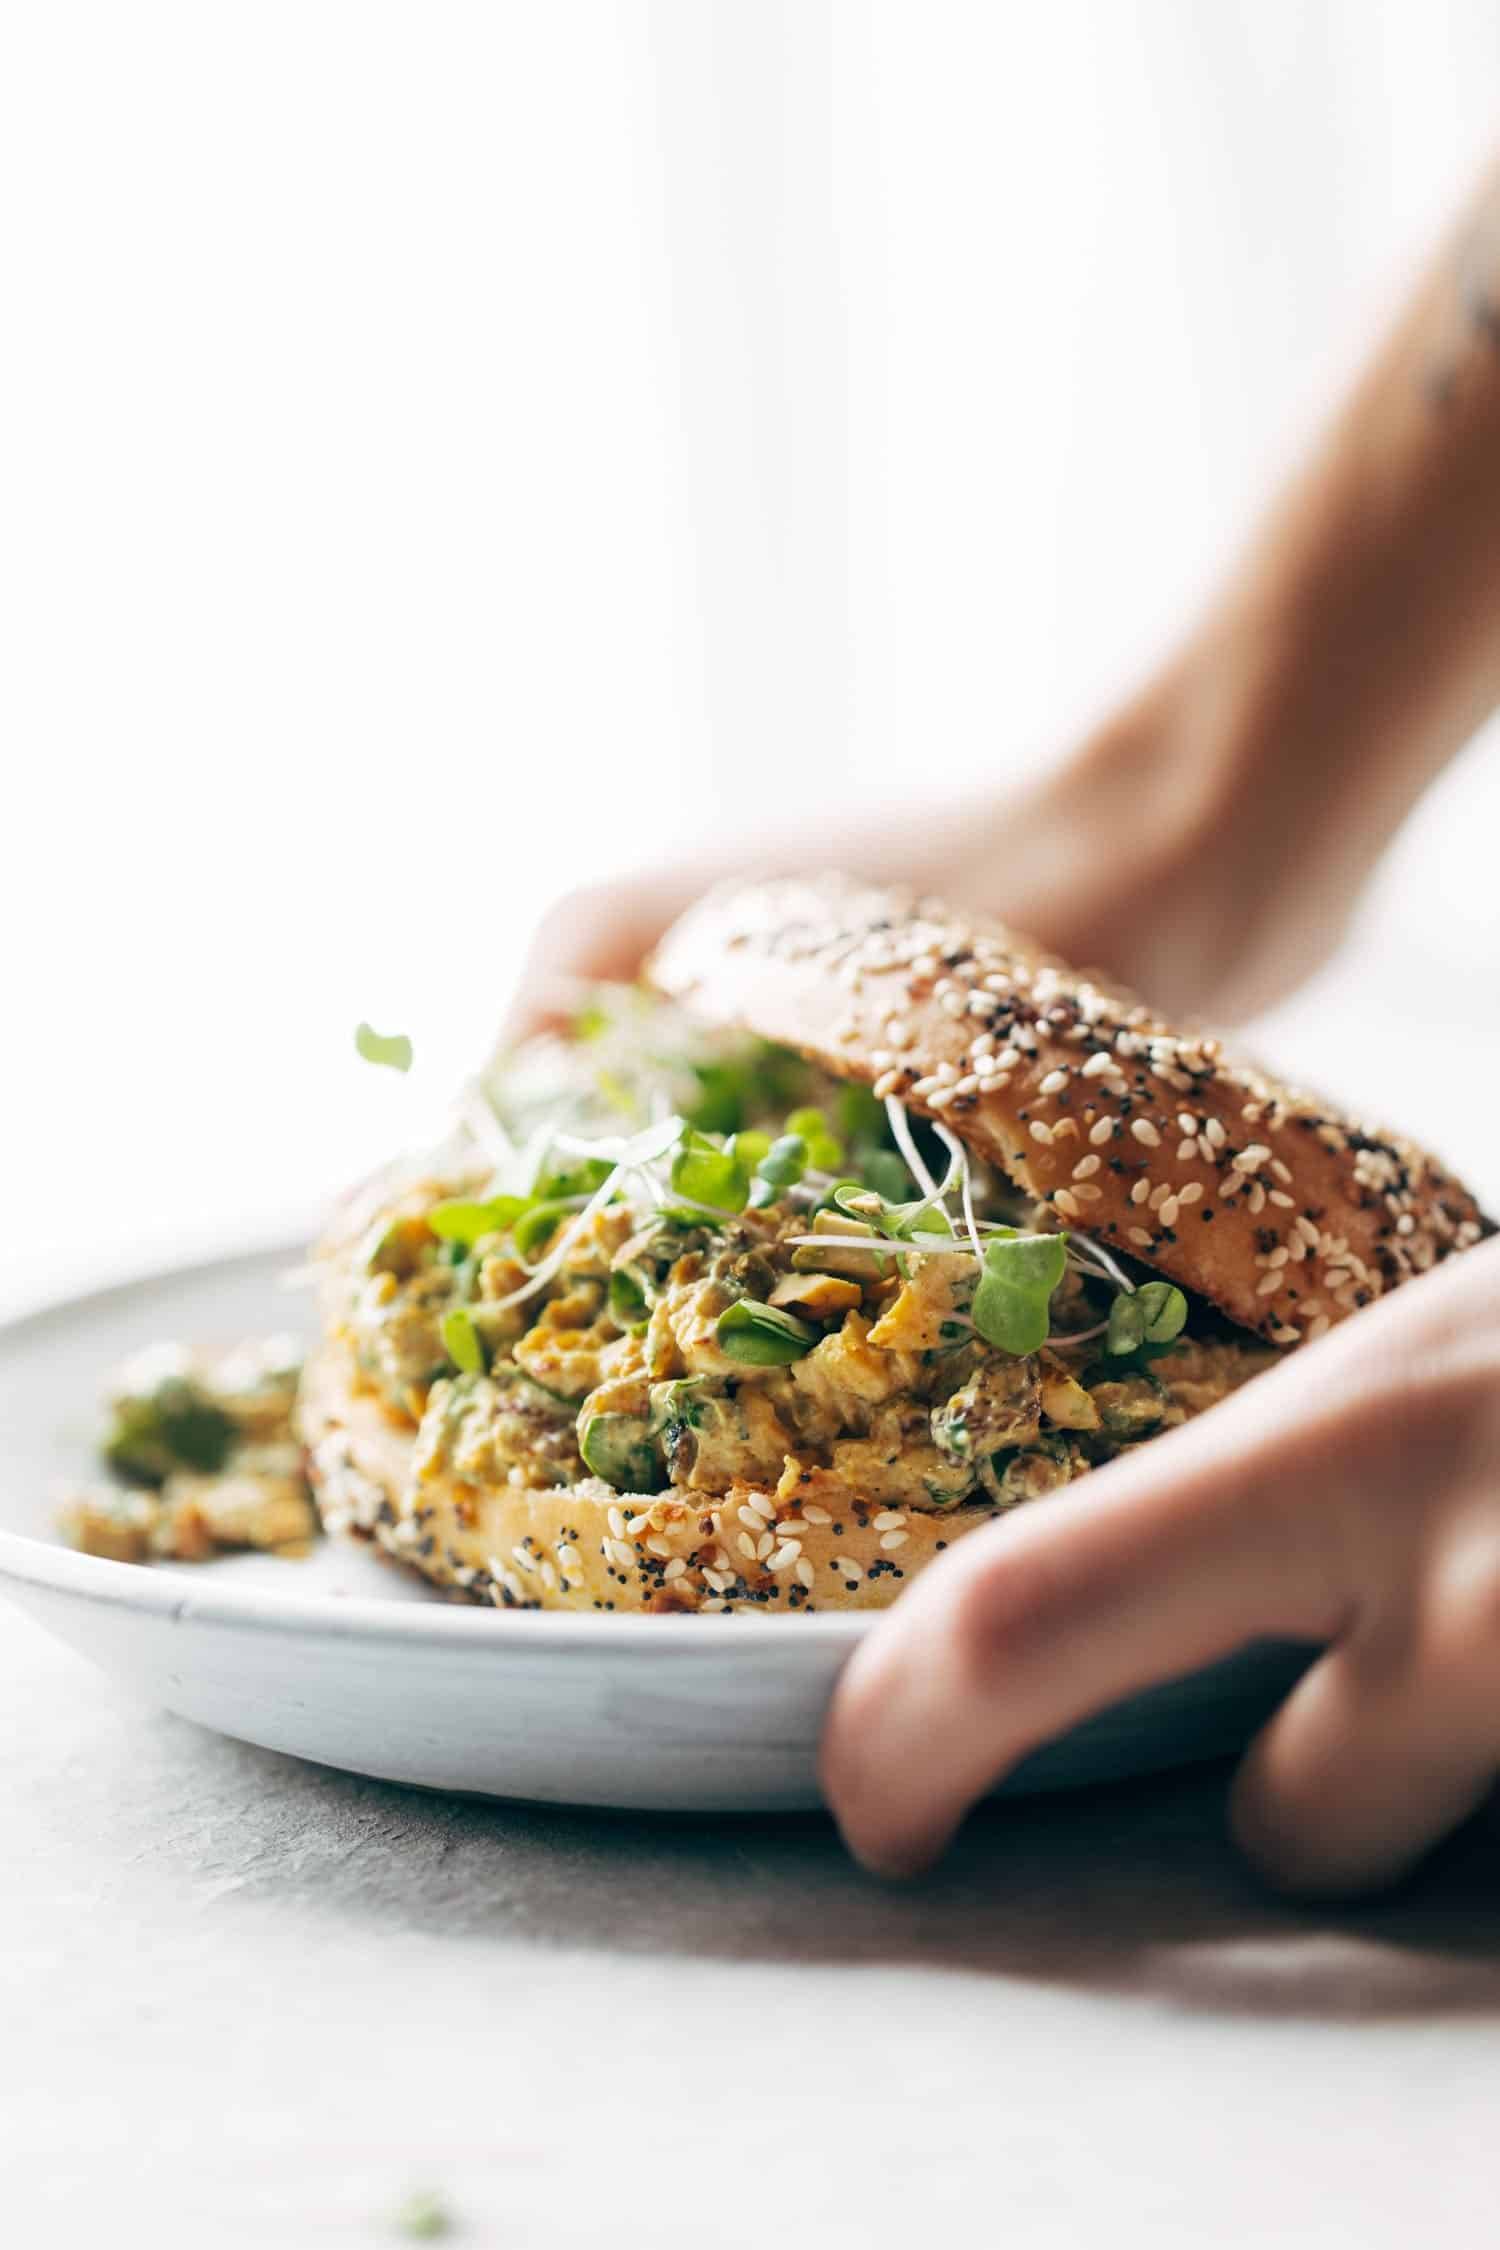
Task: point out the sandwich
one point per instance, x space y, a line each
861 1222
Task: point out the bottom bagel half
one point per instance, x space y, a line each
585 1546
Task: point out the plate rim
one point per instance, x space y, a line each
30 1561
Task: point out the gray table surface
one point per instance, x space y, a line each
247 2001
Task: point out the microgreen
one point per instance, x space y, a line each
539 1222
708 1173
576 1179
762 1335
461 1340
824 1152
1012 1304
465 1222
780 1168
627 1296
393 1053
1146 1321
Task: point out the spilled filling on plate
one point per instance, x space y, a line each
206 1459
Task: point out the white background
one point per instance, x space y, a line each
448 451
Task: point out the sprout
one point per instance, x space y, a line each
393 1053
461 1340
1012 1305
464 1222
762 1335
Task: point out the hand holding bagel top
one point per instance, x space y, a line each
1206 846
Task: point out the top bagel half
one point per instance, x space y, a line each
1275 1206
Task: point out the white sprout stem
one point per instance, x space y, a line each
959 1154
1078 1335
902 1133
651 1143
1116 1273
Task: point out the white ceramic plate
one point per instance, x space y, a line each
343 1660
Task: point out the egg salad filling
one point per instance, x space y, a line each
782 1285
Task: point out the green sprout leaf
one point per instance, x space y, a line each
706 1171
458 1220
582 1178
761 1335
1012 1304
620 1448
393 1053
883 1170
627 1297
1146 1321
824 1152
462 1342
780 1168
537 1224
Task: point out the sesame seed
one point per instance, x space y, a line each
847 1567
805 1572
1192 1193
1268 1284
658 1545
1188 1123
889 1519
620 1553
717 1603
1168 1212
1285 1335
894 1538
944 1096
1318 1327
1230 1184
746 1546
762 1506
1215 1133
1278 1256
1097 1065
1281 1199
785 1555
816 1515
1040 1131
888 1083
1086 1167
1139 1237
1140 1191
674 1569
617 1523
1088 1191
1145 1132
1101 1132
764 1545
1185 1151
1054 1082
637 1524
1067 1203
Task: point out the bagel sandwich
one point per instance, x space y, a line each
863 1222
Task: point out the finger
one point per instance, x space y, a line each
602 933
1365 1767
1136 1574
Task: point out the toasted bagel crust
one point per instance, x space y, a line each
588 1547
1282 1211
